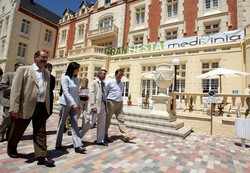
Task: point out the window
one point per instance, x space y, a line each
1 27
172 8
80 32
48 36
108 21
3 47
6 23
145 88
83 72
211 5
171 34
96 70
25 27
140 16
138 40
106 44
126 83
211 29
209 84
149 86
61 53
107 3
63 37
21 51
181 74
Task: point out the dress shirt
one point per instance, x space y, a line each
114 90
38 74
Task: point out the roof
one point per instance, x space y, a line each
69 10
39 10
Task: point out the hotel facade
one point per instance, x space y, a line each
25 27
137 35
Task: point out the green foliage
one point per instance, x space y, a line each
191 100
129 97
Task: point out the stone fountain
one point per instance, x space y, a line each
164 76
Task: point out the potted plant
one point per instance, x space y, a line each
129 100
191 101
145 104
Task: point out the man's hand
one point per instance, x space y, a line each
94 110
14 114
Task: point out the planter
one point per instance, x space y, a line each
191 108
129 103
145 105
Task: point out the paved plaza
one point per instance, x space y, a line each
149 152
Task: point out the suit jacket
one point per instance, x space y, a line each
70 94
95 95
6 83
24 92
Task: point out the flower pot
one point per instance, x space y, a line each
129 103
191 108
145 105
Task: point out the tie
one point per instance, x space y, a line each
41 84
103 92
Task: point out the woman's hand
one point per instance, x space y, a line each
76 107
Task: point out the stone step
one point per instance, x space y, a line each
181 132
152 122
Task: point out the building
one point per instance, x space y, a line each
25 27
139 34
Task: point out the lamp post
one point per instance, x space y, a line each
175 62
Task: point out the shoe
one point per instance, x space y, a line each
69 133
107 139
58 148
128 138
46 161
1 139
102 143
13 155
80 150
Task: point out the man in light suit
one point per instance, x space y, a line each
30 100
5 85
97 108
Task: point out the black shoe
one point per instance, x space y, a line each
80 150
102 143
13 155
58 148
46 161
107 139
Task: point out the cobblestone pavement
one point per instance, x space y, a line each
149 152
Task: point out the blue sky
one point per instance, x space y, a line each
58 6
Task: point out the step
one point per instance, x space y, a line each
154 123
182 132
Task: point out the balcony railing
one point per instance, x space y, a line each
107 31
87 50
231 102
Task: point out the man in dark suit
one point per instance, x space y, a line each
30 100
5 85
49 67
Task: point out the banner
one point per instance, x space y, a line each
221 37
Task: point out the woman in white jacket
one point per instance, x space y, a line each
69 104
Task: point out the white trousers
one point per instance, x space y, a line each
101 121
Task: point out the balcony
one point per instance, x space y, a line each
104 32
86 52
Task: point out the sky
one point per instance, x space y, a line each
58 6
